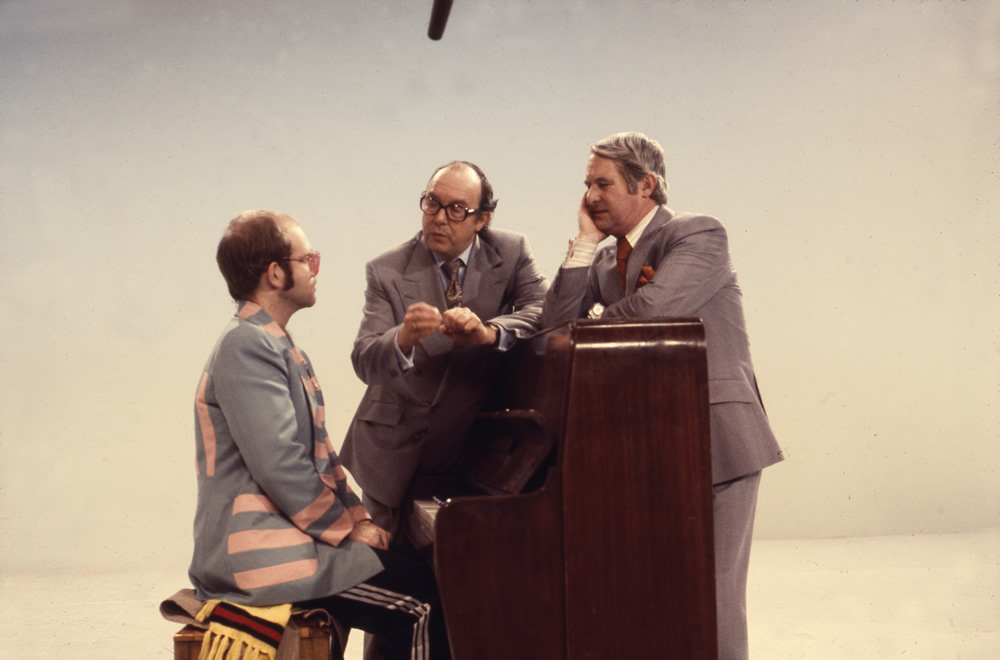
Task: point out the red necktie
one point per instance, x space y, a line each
624 249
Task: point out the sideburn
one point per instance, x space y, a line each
289 275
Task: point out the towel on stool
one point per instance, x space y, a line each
242 632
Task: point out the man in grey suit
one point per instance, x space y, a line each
668 264
439 310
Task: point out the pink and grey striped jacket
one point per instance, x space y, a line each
274 507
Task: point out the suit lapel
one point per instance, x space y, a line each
421 283
607 276
640 252
607 272
482 289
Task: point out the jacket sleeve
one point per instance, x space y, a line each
374 353
252 382
568 298
527 293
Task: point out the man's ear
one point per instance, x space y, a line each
484 219
647 184
273 276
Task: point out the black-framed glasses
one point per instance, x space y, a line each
456 212
311 259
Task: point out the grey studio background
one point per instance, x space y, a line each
851 149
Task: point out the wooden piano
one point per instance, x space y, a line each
581 526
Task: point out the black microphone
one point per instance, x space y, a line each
439 18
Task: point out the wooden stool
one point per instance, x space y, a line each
316 642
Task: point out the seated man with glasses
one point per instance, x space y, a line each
439 310
276 522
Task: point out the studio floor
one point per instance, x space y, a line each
929 597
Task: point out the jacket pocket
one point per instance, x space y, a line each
381 412
731 390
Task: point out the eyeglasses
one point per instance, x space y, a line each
312 259
454 212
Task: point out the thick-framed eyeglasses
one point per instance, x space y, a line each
456 212
312 259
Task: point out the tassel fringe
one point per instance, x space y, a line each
241 632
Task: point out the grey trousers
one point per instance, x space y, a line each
734 504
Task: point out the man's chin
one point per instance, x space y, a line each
437 245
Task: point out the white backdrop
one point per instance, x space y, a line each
851 148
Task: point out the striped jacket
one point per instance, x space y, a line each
274 507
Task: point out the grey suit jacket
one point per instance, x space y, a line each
693 277
415 421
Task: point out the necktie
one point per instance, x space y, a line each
624 249
454 292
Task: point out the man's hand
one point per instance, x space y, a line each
420 320
367 532
588 230
462 325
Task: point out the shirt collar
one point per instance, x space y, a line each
633 236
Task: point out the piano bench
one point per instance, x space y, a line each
316 642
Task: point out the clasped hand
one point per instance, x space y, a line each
462 324
367 532
458 323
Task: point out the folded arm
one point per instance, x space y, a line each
692 269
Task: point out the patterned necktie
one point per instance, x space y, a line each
624 249
454 292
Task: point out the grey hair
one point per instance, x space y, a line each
636 156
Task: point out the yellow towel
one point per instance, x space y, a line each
240 632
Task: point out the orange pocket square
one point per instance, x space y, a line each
646 275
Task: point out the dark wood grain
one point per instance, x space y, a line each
607 551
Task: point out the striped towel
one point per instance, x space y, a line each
242 632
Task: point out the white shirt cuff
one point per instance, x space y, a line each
507 339
580 253
405 361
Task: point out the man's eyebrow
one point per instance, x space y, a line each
451 203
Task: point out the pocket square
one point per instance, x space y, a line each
645 276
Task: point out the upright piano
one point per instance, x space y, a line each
581 525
